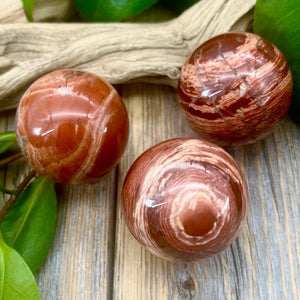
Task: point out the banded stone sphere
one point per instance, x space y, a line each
72 126
184 199
235 88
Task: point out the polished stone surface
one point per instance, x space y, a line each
235 88
185 199
72 126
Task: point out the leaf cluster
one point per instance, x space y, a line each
26 232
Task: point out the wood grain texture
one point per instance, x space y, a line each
79 265
117 52
263 262
94 256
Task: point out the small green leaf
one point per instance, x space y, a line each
111 10
28 8
179 5
16 280
29 225
7 139
279 22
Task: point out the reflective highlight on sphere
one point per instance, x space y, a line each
185 199
235 88
72 126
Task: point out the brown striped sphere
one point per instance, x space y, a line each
185 199
235 88
72 126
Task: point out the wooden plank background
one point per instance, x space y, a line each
93 255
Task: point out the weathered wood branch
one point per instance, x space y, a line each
11 11
118 52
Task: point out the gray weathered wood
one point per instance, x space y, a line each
264 261
79 263
93 255
262 264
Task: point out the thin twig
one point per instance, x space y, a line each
16 193
10 159
6 191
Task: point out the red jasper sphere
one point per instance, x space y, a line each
235 88
72 126
185 199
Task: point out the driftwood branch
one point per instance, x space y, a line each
118 52
11 11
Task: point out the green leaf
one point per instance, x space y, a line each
179 5
28 8
16 280
111 10
29 225
7 139
279 22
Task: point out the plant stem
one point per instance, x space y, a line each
16 193
10 159
6 191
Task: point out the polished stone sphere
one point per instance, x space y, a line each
72 126
184 199
235 88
